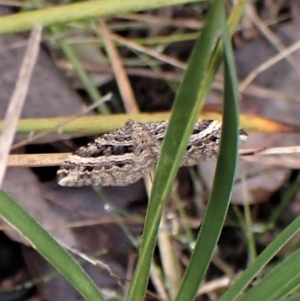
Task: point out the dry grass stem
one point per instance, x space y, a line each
91 260
143 72
285 161
253 90
68 120
149 51
40 160
169 261
37 160
214 285
273 60
18 98
270 151
268 93
158 283
264 29
126 91
159 21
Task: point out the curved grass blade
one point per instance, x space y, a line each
253 270
292 298
281 281
77 11
48 247
182 120
83 76
223 180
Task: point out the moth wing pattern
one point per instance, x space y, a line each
124 156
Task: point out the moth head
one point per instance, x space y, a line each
242 136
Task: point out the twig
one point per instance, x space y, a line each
273 60
161 21
149 51
270 151
18 98
265 30
37 160
40 160
129 100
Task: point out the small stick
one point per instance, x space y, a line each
40 160
124 85
270 151
37 160
18 98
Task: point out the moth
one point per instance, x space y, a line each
124 156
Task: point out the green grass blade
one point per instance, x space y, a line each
223 180
292 298
285 200
77 11
83 76
48 247
252 271
282 280
182 120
